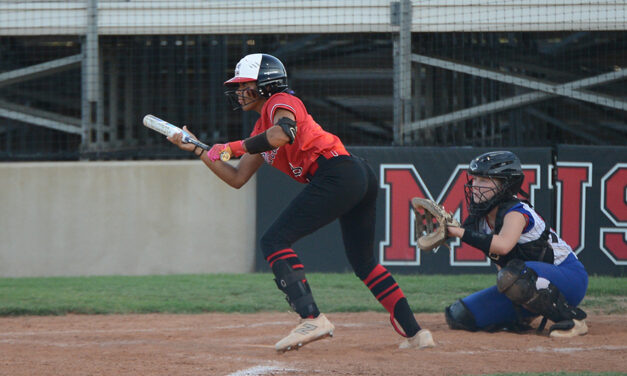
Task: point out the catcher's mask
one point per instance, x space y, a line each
266 70
504 169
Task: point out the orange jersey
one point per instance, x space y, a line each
297 160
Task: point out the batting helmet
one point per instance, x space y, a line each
266 70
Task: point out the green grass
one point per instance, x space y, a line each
250 293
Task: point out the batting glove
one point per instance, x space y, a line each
235 148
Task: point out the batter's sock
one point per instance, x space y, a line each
290 278
389 294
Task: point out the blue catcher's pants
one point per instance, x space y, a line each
490 307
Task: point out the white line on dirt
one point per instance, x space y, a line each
576 349
262 370
547 349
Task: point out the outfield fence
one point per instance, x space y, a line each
578 190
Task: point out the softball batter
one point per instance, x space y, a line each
338 185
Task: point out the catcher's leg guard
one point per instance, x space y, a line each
458 316
389 294
518 283
290 278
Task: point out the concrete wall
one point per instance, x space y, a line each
126 218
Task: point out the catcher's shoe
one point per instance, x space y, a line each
568 329
421 340
308 330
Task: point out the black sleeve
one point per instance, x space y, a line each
258 144
478 240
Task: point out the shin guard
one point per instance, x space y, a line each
389 294
290 278
518 283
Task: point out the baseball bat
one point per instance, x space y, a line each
168 130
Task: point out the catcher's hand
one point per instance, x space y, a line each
429 234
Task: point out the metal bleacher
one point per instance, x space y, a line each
78 76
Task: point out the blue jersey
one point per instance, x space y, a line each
490 307
533 230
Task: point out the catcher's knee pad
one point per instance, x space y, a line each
517 281
458 316
294 284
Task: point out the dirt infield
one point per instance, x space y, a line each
238 344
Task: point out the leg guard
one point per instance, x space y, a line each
518 283
552 304
290 278
458 316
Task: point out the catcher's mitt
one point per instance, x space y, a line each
430 235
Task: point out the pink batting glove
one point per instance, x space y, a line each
233 149
214 152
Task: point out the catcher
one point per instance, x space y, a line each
539 274
338 185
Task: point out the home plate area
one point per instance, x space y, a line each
243 344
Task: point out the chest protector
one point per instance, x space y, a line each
535 250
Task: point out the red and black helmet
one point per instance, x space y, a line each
266 70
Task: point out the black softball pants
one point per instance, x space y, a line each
343 187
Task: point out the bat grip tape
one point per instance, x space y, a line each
199 144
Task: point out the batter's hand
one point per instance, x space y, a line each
177 140
232 149
214 153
